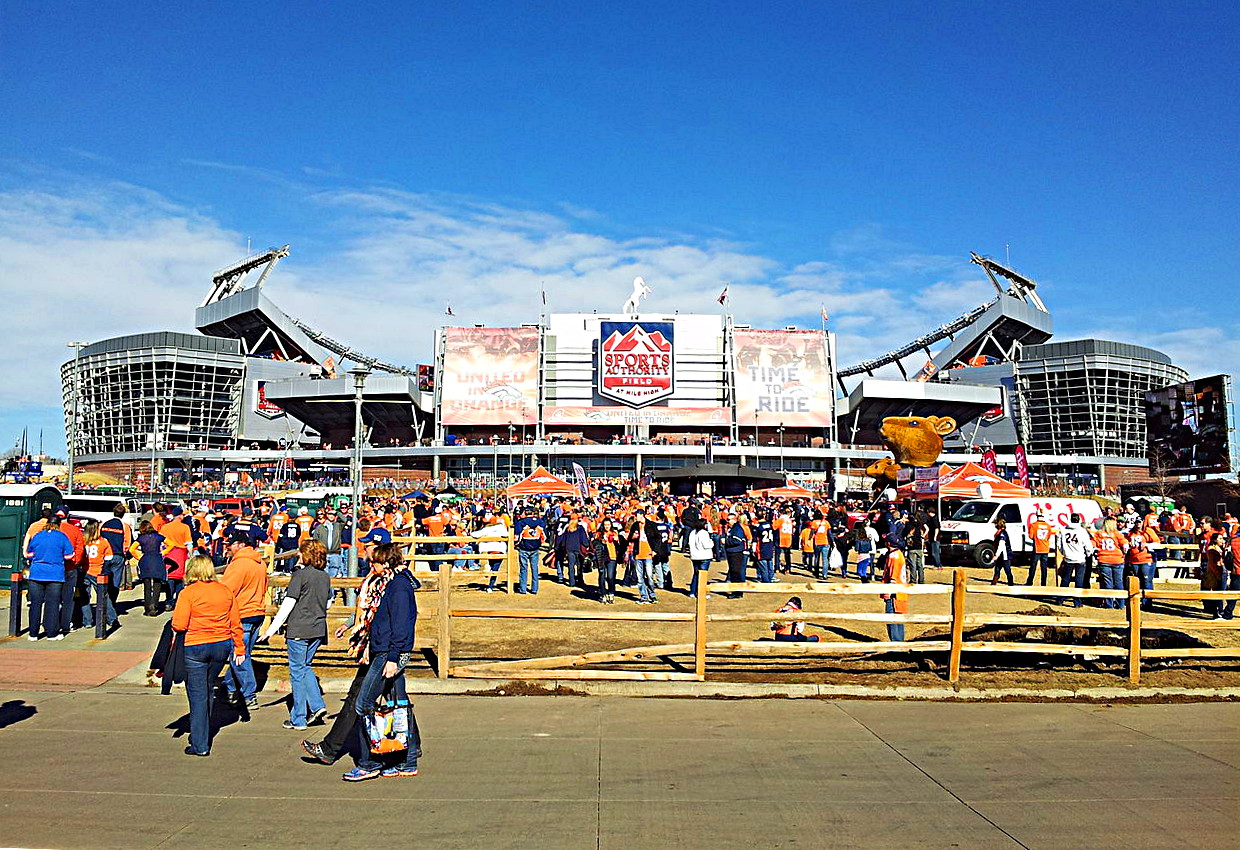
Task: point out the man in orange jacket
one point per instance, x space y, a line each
246 577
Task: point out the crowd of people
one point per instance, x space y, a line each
214 572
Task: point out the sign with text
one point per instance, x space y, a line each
783 377
489 376
636 362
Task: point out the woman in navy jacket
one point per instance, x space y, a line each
152 571
393 617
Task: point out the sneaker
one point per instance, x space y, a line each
315 751
190 751
358 774
32 637
252 704
57 637
392 772
288 724
318 718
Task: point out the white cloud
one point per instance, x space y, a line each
88 259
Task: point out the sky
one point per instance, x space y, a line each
846 155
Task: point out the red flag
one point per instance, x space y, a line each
989 462
1022 466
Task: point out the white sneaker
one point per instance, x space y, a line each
58 637
31 637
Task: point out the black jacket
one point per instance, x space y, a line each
653 537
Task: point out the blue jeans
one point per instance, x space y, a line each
607 577
822 554
44 608
337 564
175 586
529 567
496 561
645 579
1074 575
1231 581
203 664
935 551
1111 577
895 631
1146 573
372 687
1041 559
68 595
766 570
88 610
568 570
459 563
307 695
699 567
244 672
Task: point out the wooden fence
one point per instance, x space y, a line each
1127 620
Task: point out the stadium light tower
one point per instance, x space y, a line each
359 375
73 413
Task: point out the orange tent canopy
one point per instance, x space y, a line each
963 484
788 491
542 483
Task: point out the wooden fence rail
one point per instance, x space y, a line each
1128 621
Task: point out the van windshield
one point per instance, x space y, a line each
96 504
975 512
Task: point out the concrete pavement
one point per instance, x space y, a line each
103 768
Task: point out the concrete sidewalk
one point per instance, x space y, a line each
103 768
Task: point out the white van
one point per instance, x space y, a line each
85 506
971 530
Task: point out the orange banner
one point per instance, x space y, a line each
783 377
489 376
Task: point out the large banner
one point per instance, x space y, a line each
714 416
783 377
489 376
1188 428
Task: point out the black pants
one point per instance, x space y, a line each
338 737
152 589
736 565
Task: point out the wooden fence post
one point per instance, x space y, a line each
443 647
959 580
1134 630
699 628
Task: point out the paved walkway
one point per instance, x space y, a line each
103 768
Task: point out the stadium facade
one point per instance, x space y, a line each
620 394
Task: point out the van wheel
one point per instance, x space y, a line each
984 554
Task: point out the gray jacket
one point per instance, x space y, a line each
329 534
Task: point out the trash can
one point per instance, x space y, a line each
20 505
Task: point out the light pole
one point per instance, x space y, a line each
512 430
782 471
73 414
473 484
359 375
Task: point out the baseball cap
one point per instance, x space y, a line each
239 537
247 511
62 511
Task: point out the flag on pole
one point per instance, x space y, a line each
824 314
723 296
448 311
544 297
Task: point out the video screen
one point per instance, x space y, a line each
1188 433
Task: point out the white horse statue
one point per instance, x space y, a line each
640 291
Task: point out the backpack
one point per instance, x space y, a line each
1231 555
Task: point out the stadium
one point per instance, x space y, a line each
260 395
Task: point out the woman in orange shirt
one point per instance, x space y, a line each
207 613
1111 547
98 551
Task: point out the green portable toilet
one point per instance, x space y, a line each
20 505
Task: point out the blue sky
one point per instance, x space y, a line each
846 153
